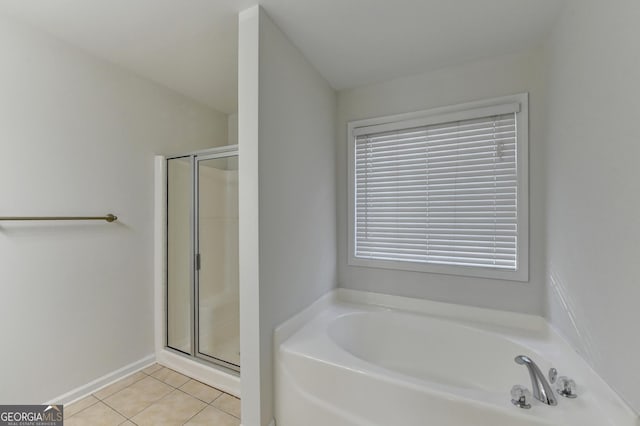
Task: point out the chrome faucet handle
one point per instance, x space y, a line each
520 397
566 387
553 375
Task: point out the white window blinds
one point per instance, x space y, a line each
442 193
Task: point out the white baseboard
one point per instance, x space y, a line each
271 423
200 371
101 382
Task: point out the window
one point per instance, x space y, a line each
442 191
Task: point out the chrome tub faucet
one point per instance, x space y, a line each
541 389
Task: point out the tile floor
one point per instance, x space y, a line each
155 396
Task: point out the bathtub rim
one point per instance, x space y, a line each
432 308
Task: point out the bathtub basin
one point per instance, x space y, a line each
357 358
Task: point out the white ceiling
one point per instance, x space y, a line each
187 45
190 46
356 42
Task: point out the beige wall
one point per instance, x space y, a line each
593 207
287 197
490 78
78 136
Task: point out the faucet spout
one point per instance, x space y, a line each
541 389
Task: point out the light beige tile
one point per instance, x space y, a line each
174 409
128 423
228 403
152 368
170 377
212 416
135 398
201 391
71 409
96 415
119 385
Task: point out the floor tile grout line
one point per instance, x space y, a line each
88 406
201 400
222 409
189 419
193 396
169 384
209 386
216 398
225 411
116 411
122 414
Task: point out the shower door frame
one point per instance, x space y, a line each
195 158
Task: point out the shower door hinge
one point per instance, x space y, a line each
198 262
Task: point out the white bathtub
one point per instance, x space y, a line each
357 358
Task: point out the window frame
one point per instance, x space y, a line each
438 115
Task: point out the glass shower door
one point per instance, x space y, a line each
217 289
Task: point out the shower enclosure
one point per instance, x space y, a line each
202 293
